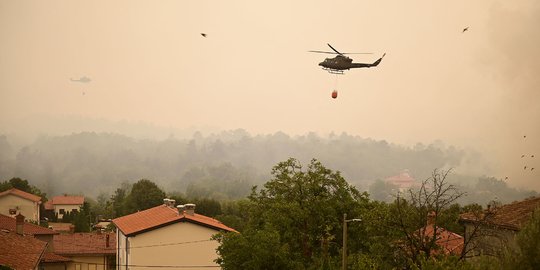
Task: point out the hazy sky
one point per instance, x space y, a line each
149 63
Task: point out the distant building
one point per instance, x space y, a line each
403 181
167 236
60 205
495 228
14 201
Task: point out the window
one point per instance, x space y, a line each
62 211
12 211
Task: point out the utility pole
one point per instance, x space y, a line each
344 257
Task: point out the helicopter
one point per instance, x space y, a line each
83 79
340 63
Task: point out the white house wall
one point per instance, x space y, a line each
181 244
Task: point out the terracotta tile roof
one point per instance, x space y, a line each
449 242
48 205
20 252
50 257
84 244
61 226
162 215
9 223
65 199
22 194
510 216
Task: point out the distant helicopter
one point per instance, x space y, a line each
83 79
340 63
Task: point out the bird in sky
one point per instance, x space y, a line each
522 156
465 29
524 136
203 34
506 178
525 167
532 169
532 155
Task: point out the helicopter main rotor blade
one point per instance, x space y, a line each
333 48
323 52
336 53
343 53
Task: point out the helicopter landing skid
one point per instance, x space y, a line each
334 71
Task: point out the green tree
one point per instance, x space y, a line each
22 184
304 209
529 243
144 194
81 219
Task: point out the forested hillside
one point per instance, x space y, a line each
223 166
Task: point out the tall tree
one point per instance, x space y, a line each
144 194
303 209
431 200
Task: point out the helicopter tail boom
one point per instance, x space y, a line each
364 65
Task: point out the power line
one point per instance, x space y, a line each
115 248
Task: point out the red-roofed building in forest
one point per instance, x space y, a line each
403 181
14 201
167 236
60 205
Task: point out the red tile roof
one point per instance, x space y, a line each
20 252
65 199
50 257
62 227
162 215
449 242
510 216
9 223
84 244
48 205
22 194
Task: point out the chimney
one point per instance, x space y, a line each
190 208
19 221
107 236
169 202
181 208
431 218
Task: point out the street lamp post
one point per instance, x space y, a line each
344 257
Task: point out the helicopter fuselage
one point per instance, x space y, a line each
341 62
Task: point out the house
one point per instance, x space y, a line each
60 205
167 236
19 251
403 181
14 201
8 223
86 251
490 231
448 243
49 260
